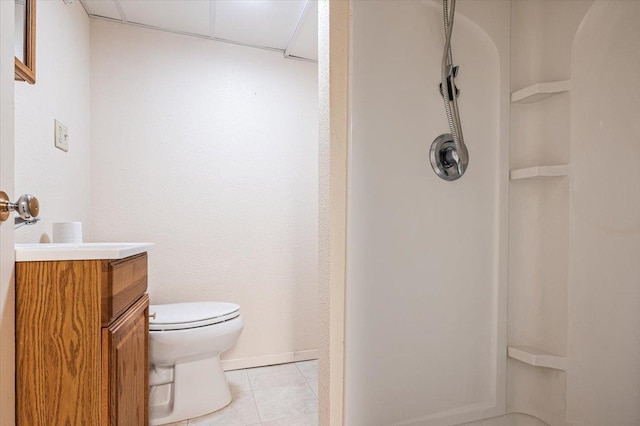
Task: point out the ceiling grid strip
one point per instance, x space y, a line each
86 7
123 16
296 32
213 5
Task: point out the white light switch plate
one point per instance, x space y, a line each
62 136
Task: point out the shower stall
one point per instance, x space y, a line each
513 292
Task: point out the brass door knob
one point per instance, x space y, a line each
27 206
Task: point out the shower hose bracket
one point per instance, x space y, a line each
451 86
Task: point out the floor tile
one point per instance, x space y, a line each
309 369
184 423
238 381
306 420
274 376
285 401
241 412
314 386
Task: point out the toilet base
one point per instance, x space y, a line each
198 388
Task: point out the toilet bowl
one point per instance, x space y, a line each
186 379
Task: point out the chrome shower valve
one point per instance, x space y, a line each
446 161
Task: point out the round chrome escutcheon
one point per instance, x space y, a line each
444 158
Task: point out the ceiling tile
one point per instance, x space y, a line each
306 43
189 16
105 8
269 23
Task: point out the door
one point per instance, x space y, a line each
7 323
125 367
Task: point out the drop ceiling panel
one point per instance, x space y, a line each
269 23
189 16
105 8
306 43
261 23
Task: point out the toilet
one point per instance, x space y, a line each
186 379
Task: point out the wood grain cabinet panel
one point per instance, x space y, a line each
57 343
125 367
82 342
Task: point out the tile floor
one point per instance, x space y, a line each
277 395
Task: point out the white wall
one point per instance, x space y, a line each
426 282
210 150
603 380
7 282
333 87
59 179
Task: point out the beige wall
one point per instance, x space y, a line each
59 179
210 150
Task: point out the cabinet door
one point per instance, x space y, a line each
125 367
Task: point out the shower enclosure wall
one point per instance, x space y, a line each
513 292
426 258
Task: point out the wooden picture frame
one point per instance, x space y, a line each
27 71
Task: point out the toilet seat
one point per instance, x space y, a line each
185 344
181 316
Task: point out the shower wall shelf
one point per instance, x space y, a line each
537 357
540 171
539 91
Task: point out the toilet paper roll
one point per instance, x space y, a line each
67 232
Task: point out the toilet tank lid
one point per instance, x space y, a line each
181 313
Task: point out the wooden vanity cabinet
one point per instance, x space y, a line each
82 342
125 367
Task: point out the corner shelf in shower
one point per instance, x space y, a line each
539 91
537 357
539 171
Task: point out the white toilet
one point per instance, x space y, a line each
186 379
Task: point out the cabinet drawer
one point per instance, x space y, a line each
123 282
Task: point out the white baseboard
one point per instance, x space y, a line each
259 361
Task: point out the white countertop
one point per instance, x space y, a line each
84 251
